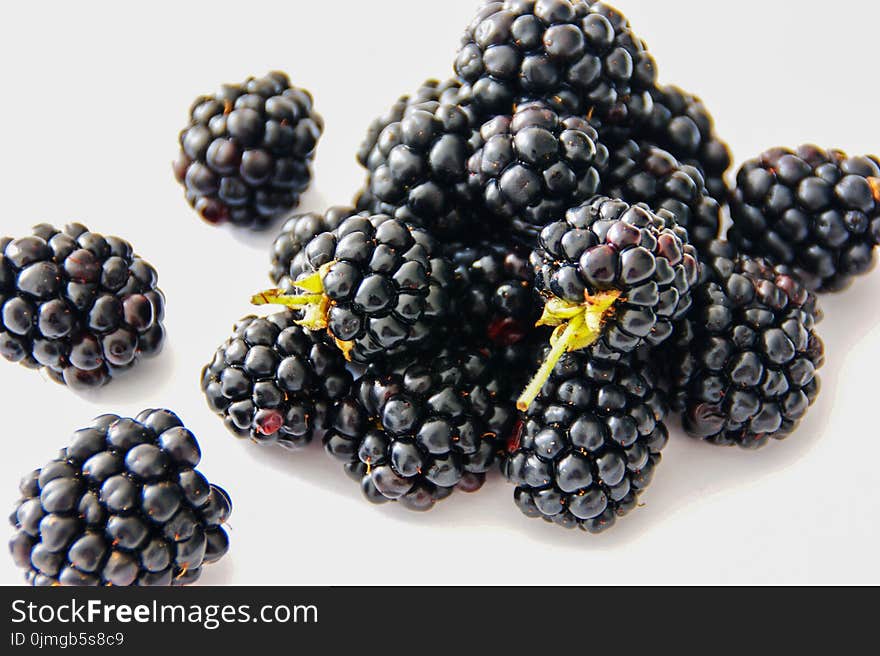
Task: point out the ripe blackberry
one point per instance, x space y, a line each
748 372
497 293
287 250
816 212
246 154
581 56
81 306
123 504
414 435
274 381
417 170
614 277
590 443
376 284
642 173
534 165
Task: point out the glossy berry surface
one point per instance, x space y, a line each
287 249
813 211
608 246
580 55
415 434
590 442
246 153
78 305
534 165
747 372
122 505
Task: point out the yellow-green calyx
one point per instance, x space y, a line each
578 325
314 303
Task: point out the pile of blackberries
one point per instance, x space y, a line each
534 275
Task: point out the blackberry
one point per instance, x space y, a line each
681 124
497 297
590 443
287 249
376 284
642 173
123 504
417 433
614 277
534 165
417 169
274 381
247 151
813 211
78 305
747 373
581 56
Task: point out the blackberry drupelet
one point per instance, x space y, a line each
376 284
246 154
497 293
580 56
748 372
534 165
275 382
614 277
642 173
287 249
589 445
81 306
415 434
681 124
417 170
123 504
816 212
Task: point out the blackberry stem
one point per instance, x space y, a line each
314 305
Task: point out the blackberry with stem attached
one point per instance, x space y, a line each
274 381
377 285
417 433
532 166
246 154
81 306
614 277
748 373
123 504
816 212
580 56
643 173
589 444
287 249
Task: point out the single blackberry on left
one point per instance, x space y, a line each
123 504
78 305
276 382
246 153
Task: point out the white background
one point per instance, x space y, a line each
93 97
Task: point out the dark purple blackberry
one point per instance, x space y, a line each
642 173
590 442
747 373
274 381
813 211
418 433
417 169
681 125
123 504
246 154
81 306
287 250
496 293
614 277
377 285
580 56
534 165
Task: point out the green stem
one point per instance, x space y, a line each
562 346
